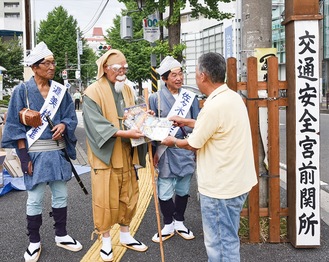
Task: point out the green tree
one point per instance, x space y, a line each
136 51
88 65
11 57
59 32
209 9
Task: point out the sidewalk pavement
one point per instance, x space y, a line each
13 240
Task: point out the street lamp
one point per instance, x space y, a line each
140 4
126 22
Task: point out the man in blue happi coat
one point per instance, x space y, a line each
40 148
175 165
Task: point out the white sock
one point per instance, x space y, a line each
168 229
126 238
33 246
66 238
179 225
107 244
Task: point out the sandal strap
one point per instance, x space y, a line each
69 243
138 243
107 254
31 254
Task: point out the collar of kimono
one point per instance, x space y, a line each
49 107
180 108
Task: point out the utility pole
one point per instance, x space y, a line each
27 36
79 51
256 32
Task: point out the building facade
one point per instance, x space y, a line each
11 18
207 35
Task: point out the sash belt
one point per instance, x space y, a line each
47 145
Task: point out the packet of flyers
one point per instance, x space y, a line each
152 127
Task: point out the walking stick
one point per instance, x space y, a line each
75 173
156 203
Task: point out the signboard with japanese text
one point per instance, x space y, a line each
307 77
262 54
228 42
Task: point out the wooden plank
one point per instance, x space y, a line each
264 212
254 226
273 150
254 212
261 85
232 74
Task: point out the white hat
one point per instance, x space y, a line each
168 63
40 51
113 56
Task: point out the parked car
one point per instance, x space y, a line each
195 90
201 97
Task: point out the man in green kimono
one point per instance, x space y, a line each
110 154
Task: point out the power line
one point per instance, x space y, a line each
93 16
99 15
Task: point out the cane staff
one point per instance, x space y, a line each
156 203
74 171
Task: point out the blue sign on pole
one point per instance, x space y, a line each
228 42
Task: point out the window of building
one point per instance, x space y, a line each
12 15
11 4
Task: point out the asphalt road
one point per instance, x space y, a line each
13 240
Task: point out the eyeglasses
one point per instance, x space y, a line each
118 68
48 63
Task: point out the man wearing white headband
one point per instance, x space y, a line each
43 162
111 156
176 166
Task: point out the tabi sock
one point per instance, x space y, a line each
33 246
179 225
66 238
107 244
168 229
30 254
126 238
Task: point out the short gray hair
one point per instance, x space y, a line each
214 65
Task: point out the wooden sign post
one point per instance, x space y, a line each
303 137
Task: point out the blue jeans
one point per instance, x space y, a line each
221 220
35 197
178 185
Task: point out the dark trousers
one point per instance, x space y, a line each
77 104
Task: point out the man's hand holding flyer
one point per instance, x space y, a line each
152 127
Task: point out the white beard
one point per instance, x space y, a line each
119 84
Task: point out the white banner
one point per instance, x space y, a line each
151 28
50 107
